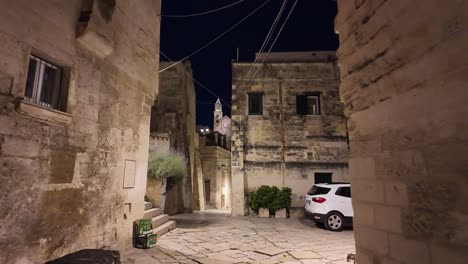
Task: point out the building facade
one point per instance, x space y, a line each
77 82
216 165
174 113
403 82
289 128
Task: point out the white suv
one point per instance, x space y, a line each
330 204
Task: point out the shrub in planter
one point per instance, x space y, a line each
270 197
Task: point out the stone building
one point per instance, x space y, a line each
288 128
77 82
215 158
403 82
174 113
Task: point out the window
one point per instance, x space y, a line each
44 84
308 104
344 191
255 104
323 177
315 190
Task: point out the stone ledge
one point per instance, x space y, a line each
98 44
36 111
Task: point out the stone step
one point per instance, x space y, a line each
148 205
162 229
153 212
160 220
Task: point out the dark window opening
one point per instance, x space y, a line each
308 104
316 190
323 177
344 191
255 104
44 84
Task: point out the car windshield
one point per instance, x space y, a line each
316 190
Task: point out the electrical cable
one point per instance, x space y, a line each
199 83
218 37
274 41
267 39
204 13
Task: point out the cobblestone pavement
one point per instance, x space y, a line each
217 238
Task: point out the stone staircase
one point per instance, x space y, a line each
161 222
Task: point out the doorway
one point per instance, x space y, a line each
207 191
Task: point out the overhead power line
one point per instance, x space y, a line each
274 41
267 39
199 83
204 13
218 37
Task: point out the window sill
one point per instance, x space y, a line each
37 111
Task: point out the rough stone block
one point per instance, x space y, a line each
372 239
362 168
62 166
368 191
18 147
364 256
396 193
263 212
401 164
7 125
445 254
6 82
364 213
388 218
281 213
409 251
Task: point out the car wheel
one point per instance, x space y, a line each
334 221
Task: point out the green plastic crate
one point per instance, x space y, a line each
143 227
147 241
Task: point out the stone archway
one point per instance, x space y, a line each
403 82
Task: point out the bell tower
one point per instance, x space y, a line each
218 114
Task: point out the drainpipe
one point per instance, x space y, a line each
282 131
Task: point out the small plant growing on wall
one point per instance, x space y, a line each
270 197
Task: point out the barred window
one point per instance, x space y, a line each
44 84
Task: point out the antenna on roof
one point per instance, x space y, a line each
237 60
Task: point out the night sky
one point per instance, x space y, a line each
310 28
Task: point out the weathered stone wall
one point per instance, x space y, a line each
174 113
198 192
159 142
216 167
281 147
62 175
403 69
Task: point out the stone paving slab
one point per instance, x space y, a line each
213 238
302 254
271 251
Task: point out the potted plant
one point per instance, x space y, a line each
163 166
269 201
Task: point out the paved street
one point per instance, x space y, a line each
219 238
